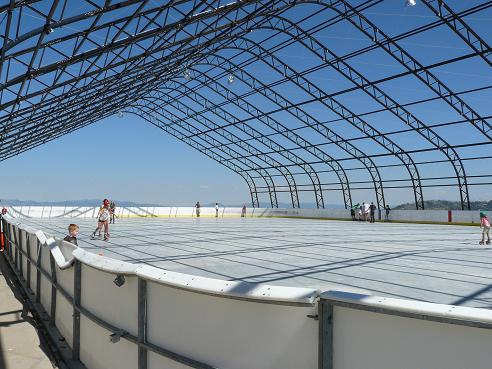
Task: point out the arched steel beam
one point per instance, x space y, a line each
197 146
251 132
278 127
203 120
410 63
378 95
331 103
231 137
301 115
222 11
98 51
250 165
71 60
444 12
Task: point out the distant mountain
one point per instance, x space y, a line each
97 202
447 205
85 202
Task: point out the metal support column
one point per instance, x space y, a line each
28 261
53 289
142 323
38 272
325 343
77 288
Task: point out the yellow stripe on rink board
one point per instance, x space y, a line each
290 217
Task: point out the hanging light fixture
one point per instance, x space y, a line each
230 79
120 114
48 29
187 74
410 2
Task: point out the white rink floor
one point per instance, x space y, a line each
435 263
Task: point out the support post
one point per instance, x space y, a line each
28 261
20 248
142 323
53 289
77 288
325 341
38 272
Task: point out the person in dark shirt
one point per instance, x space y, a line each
372 210
387 209
112 208
73 232
197 209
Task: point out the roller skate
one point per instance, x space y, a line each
106 237
481 243
94 237
488 242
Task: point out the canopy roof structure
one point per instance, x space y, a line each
306 100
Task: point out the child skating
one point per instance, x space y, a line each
103 217
485 226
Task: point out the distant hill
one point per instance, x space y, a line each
97 202
85 202
447 205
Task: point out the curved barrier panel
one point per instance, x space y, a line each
114 314
432 216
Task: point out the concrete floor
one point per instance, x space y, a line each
435 263
21 347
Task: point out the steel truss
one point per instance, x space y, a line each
219 77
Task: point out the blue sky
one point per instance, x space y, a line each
121 158
129 159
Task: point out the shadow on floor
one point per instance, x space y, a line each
25 315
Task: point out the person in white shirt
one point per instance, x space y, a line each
103 220
365 211
216 210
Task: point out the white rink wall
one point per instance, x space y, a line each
163 319
441 216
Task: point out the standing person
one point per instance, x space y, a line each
387 213
216 210
103 220
485 226
73 232
354 211
365 210
243 211
112 208
372 210
2 237
197 209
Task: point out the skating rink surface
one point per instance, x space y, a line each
434 263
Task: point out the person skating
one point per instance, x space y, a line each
103 220
485 226
216 210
